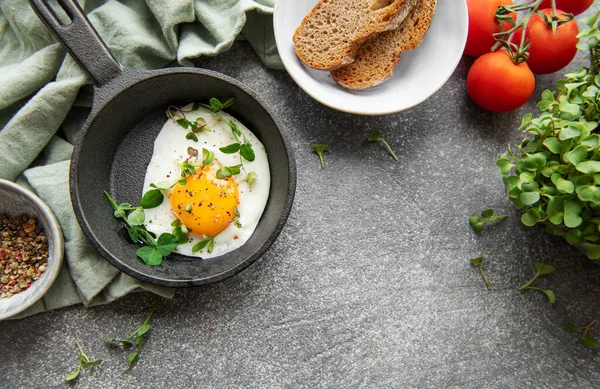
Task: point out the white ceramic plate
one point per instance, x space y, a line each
419 74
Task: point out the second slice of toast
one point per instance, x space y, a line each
333 30
376 59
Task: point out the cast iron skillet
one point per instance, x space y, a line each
116 143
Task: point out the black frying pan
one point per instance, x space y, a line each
116 142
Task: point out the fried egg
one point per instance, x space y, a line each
227 209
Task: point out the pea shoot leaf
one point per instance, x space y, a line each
137 338
136 217
152 199
207 157
84 363
247 152
230 149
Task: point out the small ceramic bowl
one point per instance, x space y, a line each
419 74
14 201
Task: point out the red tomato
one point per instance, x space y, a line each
549 52
495 83
482 24
569 6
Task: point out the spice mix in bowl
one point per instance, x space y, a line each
31 249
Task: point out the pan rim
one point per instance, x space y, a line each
125 81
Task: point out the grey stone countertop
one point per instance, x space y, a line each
369 285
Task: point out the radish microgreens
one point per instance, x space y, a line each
137 338
555 175
84 363
319 149
540 270
487 216
375 136
585 339
477 262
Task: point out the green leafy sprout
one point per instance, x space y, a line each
196 126
137 338
540 270
242 146
84 363
477 262
487 216
585 339
155 250
554 176
319 149
375 136
208 242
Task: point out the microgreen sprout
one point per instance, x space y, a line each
228 171
487 216
540 270
250 179
376 136
207 157
477 262
84 363
243 146
208 242
319 149
180 230
156 249
585 339
236 217
137 338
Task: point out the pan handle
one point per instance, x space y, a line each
81 39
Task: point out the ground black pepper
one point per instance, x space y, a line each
23 253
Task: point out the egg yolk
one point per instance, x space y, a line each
205 204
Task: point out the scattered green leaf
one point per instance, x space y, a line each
376 136
84 363
477 262
487 216
319 149
540 270
585 339
137 338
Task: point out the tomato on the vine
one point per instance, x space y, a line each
549 52
495 83
574 7
482 24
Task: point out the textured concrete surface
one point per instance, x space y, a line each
369 284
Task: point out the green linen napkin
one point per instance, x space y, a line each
43 104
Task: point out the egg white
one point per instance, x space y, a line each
171 148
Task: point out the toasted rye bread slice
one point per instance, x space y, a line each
331 33
377 58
